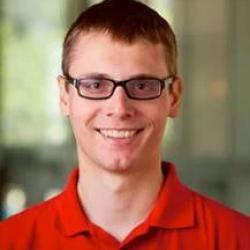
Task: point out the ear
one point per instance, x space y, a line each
63 95
175 94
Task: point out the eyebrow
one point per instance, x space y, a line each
98 75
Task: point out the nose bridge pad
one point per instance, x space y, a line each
119 104
121 85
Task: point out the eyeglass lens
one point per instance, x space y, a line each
138 88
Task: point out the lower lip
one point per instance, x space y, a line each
121 141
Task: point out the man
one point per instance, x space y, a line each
118 88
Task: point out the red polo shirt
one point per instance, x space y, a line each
181 219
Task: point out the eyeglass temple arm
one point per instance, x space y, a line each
70 80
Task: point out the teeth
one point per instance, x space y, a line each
119 134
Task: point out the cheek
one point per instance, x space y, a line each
159 125
159 113
158 119
75 105
81 114
79 108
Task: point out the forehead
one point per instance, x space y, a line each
99 52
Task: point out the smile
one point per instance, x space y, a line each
119 134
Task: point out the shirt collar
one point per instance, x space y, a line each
73 220
173 208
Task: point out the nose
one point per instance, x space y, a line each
119 105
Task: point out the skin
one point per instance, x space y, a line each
120 179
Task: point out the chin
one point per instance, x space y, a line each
118 165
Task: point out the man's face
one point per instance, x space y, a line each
118 133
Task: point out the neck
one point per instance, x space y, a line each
119 202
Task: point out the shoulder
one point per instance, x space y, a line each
218 210
222 222
24 224
31 214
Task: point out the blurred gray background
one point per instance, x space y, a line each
209 141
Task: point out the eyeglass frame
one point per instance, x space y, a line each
76 82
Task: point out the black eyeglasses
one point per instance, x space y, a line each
137 89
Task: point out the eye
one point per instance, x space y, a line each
144 85
91 84
140 85
95 86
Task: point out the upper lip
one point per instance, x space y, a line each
121 129
119 133
136 130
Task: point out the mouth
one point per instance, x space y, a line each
119 133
